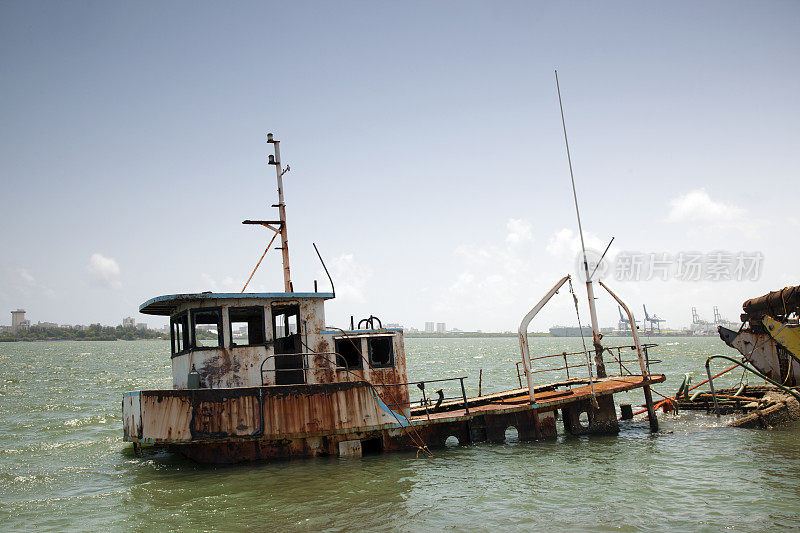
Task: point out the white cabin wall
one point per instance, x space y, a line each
240 366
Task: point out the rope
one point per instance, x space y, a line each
259 262
583 341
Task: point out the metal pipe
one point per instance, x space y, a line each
333 289
287 278
523 335
711 386
648 395
598 348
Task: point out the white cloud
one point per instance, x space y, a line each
699 209
349 277
492 275
25 276
24 283
209 283
105 270
566 244
519 231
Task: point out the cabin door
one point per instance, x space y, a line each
289 361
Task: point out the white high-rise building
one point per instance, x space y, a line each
18 320
128 322
428 327
440 327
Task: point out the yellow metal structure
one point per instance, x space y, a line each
787 335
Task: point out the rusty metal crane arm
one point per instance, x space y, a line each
523 334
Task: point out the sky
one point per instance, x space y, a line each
426 151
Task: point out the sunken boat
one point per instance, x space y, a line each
258 376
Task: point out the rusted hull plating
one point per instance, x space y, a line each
259 423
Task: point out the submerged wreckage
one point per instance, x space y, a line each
259 376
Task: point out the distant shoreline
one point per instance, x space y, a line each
99 339
95 332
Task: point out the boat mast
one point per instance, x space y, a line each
598 348
281 205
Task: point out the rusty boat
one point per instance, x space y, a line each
258 376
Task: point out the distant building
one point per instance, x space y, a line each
18 320
128 322
394 325
429 327
441 328
46 325
142 326
65 326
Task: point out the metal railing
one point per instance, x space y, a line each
614 351
427 402
339 364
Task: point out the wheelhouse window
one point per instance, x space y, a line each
206 328
286 319
179 333
247 326
381 352
348 353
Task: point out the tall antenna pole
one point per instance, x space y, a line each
598 348
284 247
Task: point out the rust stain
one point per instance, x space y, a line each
220 366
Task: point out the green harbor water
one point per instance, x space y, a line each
64 466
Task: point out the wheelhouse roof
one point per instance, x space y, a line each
166 305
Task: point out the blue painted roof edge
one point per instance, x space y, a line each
237 295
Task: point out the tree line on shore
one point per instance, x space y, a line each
95 332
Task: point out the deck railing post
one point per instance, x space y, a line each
464 396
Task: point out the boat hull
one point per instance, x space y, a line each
351 419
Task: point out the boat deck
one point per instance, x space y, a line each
548 397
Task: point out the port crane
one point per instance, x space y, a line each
624 323
654 320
